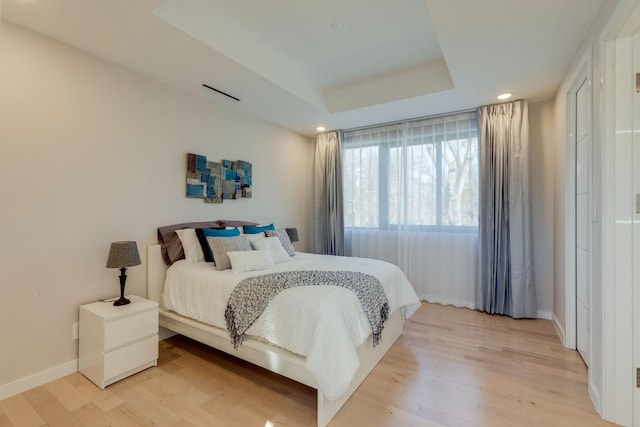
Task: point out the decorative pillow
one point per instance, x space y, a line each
218 232
206 250
221 245
254 237
284 239
242 261
214 232
190 245
255 229
273 245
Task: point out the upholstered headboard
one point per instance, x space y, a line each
170 243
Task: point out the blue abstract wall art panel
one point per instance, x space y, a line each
214 182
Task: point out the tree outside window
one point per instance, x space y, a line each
420 175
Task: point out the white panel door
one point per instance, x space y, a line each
583 222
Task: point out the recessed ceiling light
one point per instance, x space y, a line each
504 96
320 128
339 26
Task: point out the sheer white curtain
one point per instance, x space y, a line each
411 198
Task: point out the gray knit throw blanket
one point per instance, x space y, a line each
252 295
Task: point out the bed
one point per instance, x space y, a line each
304 358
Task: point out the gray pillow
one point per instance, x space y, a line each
284 239
221 245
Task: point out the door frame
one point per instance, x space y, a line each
621 346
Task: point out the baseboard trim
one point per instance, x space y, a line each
545 315
37 379
559 329
595 397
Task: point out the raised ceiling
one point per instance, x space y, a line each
341 64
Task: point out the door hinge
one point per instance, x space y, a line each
637 377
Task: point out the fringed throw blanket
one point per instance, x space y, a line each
252 295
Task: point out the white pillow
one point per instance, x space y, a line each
255 237
191 245
242 261
273 245
284 239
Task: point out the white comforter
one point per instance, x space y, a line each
324 323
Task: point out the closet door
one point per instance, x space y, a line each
583 221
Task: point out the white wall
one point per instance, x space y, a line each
92 153
541 163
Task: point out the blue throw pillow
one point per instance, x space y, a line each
255 229
203 233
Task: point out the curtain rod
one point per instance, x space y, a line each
397 122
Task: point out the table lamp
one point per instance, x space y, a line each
123 255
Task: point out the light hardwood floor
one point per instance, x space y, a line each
452 367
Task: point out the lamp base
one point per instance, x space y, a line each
123 278
121 301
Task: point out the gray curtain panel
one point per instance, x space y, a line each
328 202
506 284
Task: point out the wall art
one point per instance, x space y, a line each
214 182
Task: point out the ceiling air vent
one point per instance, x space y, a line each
220 92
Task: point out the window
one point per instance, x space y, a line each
421 174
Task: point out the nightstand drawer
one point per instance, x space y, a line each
130 357
131 328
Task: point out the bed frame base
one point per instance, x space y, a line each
267 356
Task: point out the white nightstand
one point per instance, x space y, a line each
116 342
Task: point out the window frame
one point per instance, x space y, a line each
384 148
